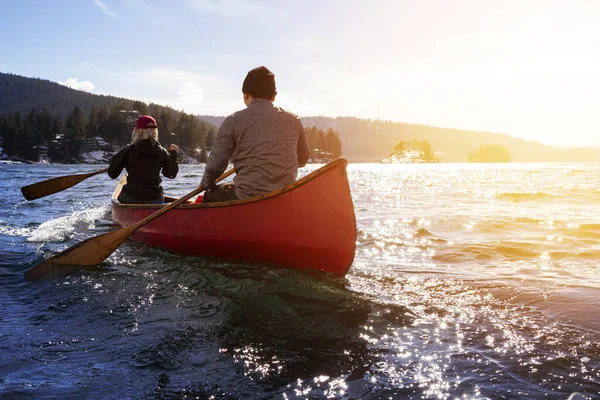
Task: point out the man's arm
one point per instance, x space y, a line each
303 151
221 151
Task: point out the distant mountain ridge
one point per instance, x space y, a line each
216 121
373 140
21 94
362 139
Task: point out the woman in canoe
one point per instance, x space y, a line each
144 159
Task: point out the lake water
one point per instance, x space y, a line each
471 281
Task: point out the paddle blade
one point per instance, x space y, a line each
54 185
93 251
87 255
49 270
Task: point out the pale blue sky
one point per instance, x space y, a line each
528 68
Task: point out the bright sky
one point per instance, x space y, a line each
528 68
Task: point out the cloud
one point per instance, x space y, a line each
75 83
191 93
140 8
104 7
177 88
298 103
309 45
232 8
170 79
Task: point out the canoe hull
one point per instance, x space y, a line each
309 224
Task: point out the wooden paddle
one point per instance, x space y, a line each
54 185
91 252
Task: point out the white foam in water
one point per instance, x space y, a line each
59 229
14 231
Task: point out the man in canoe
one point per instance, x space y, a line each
144 159
265 144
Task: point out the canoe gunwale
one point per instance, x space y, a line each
190 205
332 250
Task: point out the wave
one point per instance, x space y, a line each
515 251
14 230
64 228
586 231
525 196
422 232
579 194
368 239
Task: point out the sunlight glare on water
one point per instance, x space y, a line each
470 281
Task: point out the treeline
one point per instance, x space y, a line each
363 139
490 153
371 140
424 148
24 135
323 146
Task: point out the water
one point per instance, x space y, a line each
470 282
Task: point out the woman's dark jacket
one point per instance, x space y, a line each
144 161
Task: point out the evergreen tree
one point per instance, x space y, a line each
323 146
401 147
111 128
312 138
91 128
101 117
165 126
203 158
490 153
322 141
74 132
44 124
26 146
427 151
210 138
202 134
140 107
55 146
11 138
75 124
334 144
3 127
47 105
57 127
184 128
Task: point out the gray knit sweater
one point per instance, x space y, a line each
265 144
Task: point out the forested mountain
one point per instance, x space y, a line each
21 94
361 139
38 115
216 121
374 140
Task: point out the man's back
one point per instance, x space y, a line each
268 153
265 144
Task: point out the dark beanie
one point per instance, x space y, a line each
259 80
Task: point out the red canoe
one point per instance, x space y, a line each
308 224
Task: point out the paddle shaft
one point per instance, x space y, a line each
174 204
93 251
54 185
